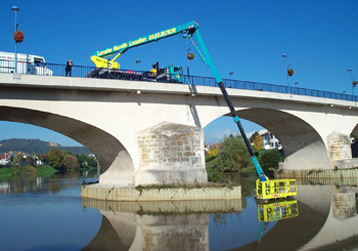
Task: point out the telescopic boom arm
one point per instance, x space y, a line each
191 29
98 58
205 56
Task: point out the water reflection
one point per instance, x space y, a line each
53 183
314 219
157 225
274 211
52 216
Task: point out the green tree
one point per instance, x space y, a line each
55 158
85 161
91 161
233 154
270 159
82 160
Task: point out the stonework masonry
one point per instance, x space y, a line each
339 146
171 153
344 205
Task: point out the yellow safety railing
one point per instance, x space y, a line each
277 210
274 189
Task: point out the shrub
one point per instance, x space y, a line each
270 159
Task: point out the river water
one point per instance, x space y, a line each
49 214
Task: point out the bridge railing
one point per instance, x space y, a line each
247 85
81 72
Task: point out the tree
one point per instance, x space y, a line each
91 161
258 142
213 152
82 160
55 158
17 159
70 162
85 161
233 154
270 159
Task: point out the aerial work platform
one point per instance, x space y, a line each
276 188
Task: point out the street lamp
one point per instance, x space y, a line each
285 57
350 70
185 36
15 9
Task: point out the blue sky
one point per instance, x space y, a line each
246 37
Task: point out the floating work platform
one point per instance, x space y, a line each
116 193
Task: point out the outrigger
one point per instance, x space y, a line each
265 189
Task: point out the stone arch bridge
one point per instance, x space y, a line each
145 133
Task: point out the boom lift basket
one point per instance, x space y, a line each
274 189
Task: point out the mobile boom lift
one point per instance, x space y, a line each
265 189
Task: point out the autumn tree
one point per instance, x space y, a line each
258 142
70 162
213 152
55 158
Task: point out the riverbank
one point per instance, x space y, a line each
8 173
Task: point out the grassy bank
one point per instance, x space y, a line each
8 173
44 171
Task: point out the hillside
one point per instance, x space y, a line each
37 146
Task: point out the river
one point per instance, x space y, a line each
49 214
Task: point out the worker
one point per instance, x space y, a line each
155 69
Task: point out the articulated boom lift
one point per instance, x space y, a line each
265 188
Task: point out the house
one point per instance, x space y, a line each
5 158
269 140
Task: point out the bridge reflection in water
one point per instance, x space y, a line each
321 216
157 225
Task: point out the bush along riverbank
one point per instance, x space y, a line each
233 156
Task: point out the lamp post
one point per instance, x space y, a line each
15 9
285 57
185 36
350 70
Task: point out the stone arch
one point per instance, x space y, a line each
110 153
303 147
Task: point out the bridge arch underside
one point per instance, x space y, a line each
303 148
355 143
107 149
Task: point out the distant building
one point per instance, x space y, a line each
5 158
269 140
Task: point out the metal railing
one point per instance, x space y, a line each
82 71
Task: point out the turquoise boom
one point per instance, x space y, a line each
191 29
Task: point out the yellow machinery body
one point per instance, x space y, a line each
275 189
